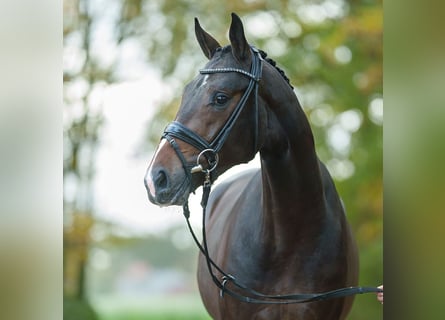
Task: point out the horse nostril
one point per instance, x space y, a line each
161 180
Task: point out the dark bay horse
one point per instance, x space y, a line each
280 229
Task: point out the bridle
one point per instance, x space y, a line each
210 151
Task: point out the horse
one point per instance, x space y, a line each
279 228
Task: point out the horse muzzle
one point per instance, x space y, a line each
164 189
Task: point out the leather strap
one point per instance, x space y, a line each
251 295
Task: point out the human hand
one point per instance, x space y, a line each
380 294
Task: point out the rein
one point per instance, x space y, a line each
254 296
210 152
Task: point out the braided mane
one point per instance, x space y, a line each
274 64
268 60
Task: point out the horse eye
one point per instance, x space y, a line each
221 99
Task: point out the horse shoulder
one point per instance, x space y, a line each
226 193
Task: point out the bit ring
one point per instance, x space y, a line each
213 165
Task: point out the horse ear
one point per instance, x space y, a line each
207 43
240 47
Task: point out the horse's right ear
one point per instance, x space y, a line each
206 41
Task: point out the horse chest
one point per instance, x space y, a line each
232 310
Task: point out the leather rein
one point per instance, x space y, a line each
210 152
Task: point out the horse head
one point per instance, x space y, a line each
217 124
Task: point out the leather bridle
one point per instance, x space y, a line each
210 151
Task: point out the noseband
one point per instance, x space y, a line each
210 151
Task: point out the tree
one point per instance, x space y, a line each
82 76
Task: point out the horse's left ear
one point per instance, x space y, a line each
207 43
240 47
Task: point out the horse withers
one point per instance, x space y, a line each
280 229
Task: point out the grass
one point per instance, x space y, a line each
177 307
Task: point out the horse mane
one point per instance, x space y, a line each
274 64
268 60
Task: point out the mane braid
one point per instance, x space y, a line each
274 64
227 49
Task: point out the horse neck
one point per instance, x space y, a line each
293 200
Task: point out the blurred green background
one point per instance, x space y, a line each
120 260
